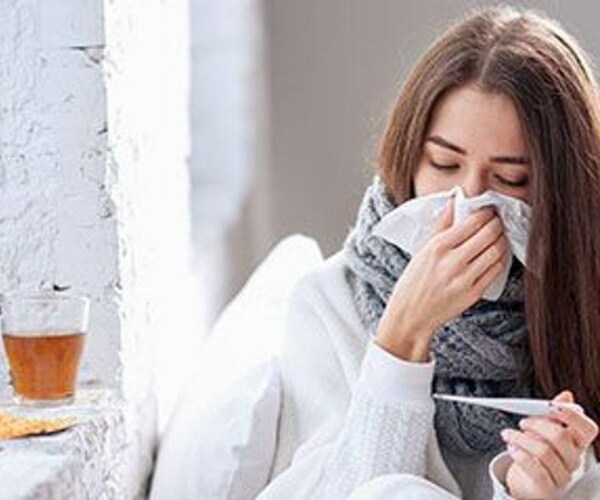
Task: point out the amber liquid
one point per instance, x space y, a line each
43 366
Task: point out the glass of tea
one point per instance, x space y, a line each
43 335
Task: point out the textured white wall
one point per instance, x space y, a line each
147 62
94 188
57 224
147 82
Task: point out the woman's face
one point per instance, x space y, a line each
474 140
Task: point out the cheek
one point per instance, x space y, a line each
428 181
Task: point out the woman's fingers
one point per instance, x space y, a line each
487 278
583 429
446 218
481 240
539 451
464 230
532 475
558 436
496 252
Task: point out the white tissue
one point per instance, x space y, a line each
411 223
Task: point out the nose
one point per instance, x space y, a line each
473 185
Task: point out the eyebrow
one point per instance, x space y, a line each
440 141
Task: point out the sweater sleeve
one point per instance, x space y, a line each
388 423
497 471
384 430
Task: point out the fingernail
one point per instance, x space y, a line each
506 433
523 423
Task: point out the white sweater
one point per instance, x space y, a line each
354 417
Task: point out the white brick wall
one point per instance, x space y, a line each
55 225
94 188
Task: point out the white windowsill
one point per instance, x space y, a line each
84 461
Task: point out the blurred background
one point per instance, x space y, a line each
288 100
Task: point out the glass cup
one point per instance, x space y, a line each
43 335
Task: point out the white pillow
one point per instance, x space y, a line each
220 447
221 438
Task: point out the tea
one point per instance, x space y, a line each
43 366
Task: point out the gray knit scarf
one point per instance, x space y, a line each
482 352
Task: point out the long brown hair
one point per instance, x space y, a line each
543 70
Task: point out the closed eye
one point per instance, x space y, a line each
443 167
520 183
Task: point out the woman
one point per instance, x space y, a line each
503 101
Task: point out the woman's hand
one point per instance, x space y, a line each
547 451
448 274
